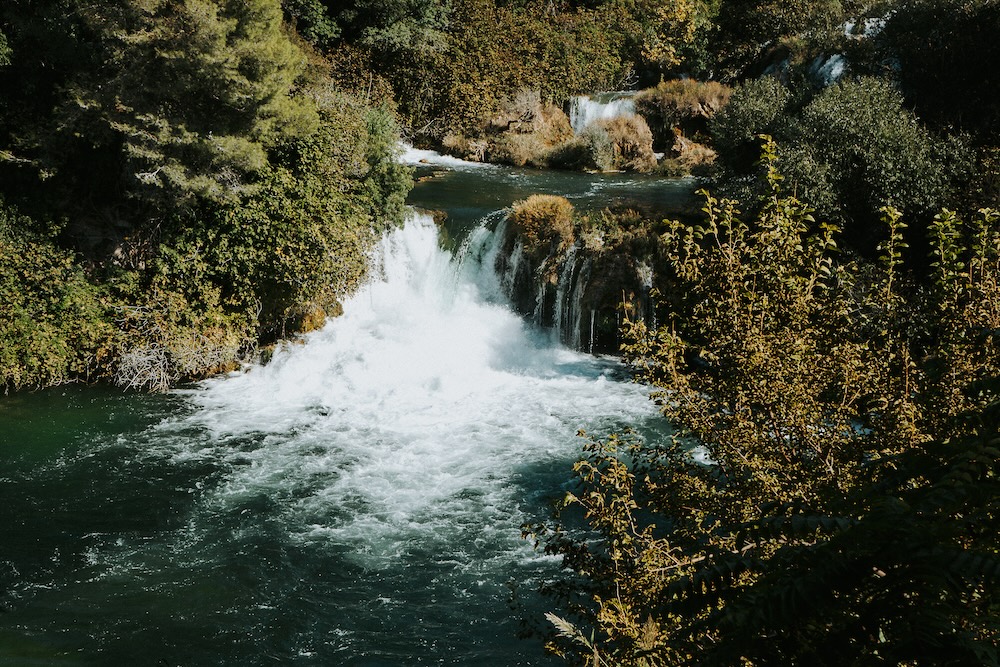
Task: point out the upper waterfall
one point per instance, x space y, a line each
585 109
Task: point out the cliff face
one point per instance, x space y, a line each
580 276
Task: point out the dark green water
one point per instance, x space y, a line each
356 502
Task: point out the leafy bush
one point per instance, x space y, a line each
54 324
827 496
303 236
855 148
177 329
848 150
756 107
543 222
746 30
624 143
312 21
525 131
225 197
631 143
685 104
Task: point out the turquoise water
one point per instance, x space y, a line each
358 501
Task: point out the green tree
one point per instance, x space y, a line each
221 187
855 148
819 406
147 103
848 150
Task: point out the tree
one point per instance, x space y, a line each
148 103
848 150
818 406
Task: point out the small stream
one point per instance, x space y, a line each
357 501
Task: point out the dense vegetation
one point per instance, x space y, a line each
828 494
182 181
872 102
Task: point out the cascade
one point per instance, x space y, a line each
564 288
555 293
585 109
575 307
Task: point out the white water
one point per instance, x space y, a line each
406 423
585 110
419 156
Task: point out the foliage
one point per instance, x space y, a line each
484 52
524 131
177 328
758 106
624 143
543 222
559 56
674 26
222 188
870 151
818 407
684 104
661 37
4 50
312 21
748 29
184 97
54 324
848 150
239 275
405 26
945 50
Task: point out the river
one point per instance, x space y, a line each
357 501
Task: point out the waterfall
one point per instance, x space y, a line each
563 304
585 110
426 387
575 308
557 292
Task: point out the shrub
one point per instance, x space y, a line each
855 148
681 103
525 130
54 325
843 508
756 107
518 150
691 156
747 29
543 222
617 144
174 336
848 150
631 143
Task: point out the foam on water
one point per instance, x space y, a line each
405 423
418 156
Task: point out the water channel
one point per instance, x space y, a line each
357 501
